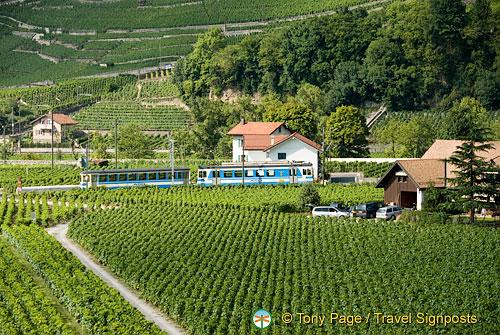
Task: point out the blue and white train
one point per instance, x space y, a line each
160 177
268 173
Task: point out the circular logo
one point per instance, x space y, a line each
261 319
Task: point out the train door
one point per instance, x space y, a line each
215 177
292 172
93 180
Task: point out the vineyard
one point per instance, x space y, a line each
37 176
102 116
369 169
98 308
67 93
24 305
203 263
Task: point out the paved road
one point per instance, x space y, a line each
150 312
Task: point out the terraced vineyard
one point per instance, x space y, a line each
53 39
66 93
200 263
102 116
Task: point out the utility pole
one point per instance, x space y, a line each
87 178
243 162
116 143
52 137
13 130
4 144
19 140
172 161
324 158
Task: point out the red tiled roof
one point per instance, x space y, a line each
255 128
62 119
260 142
297 136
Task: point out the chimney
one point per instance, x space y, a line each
243 121
272 139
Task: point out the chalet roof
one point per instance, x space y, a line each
255 128
260 142
59 118
422 172
297 136
443 149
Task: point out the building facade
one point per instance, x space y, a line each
272 142
42 128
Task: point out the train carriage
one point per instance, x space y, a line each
256 173
160 177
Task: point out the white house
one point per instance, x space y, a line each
272 142
42 128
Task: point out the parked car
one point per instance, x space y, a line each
342 207
329 211
389 212
367 210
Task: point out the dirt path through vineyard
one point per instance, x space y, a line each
149 311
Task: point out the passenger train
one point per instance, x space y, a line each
160 177
230 174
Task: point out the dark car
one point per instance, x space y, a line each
367 210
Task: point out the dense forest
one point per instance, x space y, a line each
435 59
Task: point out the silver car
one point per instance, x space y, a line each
389 212
329 211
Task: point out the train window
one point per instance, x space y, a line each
270 173
259 173
132 176
238 173
112 177
152 176
309 172
122 177
248 173
162 175
179 175
202 174
103 178
169 175
216 174
142 176
228 174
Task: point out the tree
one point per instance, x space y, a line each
99 146
416 136
133 143
464 121
298 117
308 195
347 86
311 96
347 130
389 134
476 183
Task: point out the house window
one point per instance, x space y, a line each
240 158
240 142
279 130
402 179
281 155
